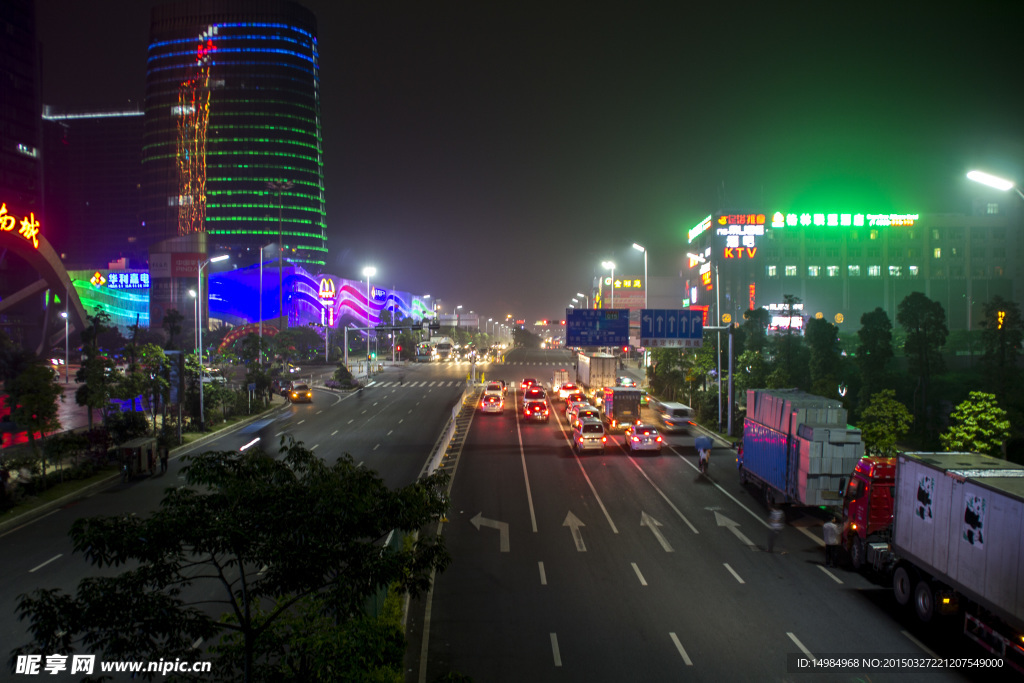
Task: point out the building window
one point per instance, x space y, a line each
895 271
854 253
914 271
913 253
937 252
895 253
873 235
999 233
813 271
853 271
935 233
998 271
833 271
874 253
791 252
956 271
832 252
992 209
874 271
954 252
790 271
812 253
772 271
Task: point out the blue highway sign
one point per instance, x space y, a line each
672 328
596 326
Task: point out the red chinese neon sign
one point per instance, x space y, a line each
29 225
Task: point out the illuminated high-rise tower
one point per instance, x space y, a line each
233 104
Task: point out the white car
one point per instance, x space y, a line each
492 403
567 389
643 437
494 388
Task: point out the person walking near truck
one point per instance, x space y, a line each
776 520
830 532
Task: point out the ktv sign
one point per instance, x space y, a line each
739 233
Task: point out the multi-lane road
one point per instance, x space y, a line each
601 567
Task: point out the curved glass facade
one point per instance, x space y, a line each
237 83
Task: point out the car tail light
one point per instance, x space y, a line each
603 439
659 439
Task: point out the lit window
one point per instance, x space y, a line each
773 271
833 271
937 253
853 271
873 235
895 271
790 271
813 271
992 209
874 271
914 271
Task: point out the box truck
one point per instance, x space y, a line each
620 406
594 372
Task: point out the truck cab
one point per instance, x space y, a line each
868 506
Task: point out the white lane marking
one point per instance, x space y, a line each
300 421
401 421
543 576
682 651
817 539
921 645
600 503
801 646
554 649
643 581
45 563
334 432
526 475
376 447
731 497
353 419
278 434
319 411
830 574
663 496
314 447
390 432
196 643
733 572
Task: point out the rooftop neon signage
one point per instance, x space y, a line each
29 225
698 229
842 220
128 280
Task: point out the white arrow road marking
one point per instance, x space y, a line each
722 520
502 528
574 524
653 524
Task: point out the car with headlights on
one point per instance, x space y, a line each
300 393
641 437
566 389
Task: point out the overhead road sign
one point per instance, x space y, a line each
682 328
596 326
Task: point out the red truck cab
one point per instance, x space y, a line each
868 505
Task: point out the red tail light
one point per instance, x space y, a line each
603 439
659 439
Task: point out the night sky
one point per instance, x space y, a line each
492 154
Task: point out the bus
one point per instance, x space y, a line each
425 352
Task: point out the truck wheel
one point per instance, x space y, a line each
901 585
924 601
858 554
743 476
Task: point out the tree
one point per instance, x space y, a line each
276 538
979 425
1001 337
874 351
93 374
925 323
173 320
884 422
34 394
822 339
755 326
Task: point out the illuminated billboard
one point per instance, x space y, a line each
842 220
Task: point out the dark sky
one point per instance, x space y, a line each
492 154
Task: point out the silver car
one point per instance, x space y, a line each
588 435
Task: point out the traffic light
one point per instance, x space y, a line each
373 355
399 348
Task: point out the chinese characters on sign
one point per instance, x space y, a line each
596 326
841 220
740 233
127 280
29 225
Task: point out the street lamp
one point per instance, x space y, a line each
585 298
639 248
64 314
279 187
261 302
994 181
610 265
202 365
368 272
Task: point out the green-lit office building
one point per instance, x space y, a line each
232 143
843 263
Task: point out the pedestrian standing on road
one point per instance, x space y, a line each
776 520
831 534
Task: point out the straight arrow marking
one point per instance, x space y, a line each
653 524
722 520
502 528
574 524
